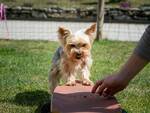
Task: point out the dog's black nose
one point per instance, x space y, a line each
78 54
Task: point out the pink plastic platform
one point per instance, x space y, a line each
79 99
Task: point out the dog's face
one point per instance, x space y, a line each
77 46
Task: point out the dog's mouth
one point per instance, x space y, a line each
78 56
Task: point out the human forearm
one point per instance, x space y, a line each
134 64
118 81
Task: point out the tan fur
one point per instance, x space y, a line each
91 30
76 57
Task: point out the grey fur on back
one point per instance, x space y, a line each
57 55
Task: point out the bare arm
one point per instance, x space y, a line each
134 65
137 61
117 82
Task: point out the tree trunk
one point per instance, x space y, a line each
100 19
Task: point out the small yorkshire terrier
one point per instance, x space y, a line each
73 57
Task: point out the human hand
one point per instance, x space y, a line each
110 85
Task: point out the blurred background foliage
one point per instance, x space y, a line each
70 3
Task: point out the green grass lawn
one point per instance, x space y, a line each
24 67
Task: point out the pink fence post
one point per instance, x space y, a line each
4 17
1 11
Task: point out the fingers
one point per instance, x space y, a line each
100 89
98 83
108 86
106 92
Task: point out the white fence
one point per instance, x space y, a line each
47 30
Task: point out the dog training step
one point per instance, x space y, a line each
79 99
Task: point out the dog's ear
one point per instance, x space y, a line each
63 33
91 30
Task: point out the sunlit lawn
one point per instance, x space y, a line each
24 67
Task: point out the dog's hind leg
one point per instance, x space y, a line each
54 78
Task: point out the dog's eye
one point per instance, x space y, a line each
72 45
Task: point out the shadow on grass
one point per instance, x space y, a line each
38 97
123 111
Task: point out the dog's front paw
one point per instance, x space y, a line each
87 82
71 83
